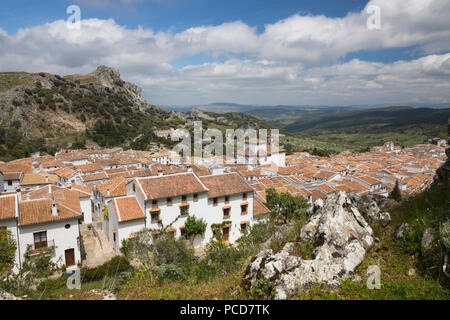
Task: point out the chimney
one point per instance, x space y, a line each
189 168
69 186
19 194
160 172
107 192
46 178
54 210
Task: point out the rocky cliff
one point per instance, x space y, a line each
340 237
443 173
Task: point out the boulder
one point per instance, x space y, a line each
428 238
402 230
341 237
369 209
7 296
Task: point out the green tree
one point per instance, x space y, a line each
8 247
284 205
395 193
194 227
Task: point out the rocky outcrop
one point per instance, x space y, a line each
341 238
7 296
370 210
401 231
443 172
428 236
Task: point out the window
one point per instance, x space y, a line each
243 227
9 182
244 209
244 196
155 216
40 240
227 199
169 202
114 236
226 213
215 202
195 196
184 210
183 232
134 188
154 203
67 226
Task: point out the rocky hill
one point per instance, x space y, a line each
44 112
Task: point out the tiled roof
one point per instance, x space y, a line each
40 211
127 209
90 167
12 176
8 206
170 186
38 178
259 208
225 184
117 188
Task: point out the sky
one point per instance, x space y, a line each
289 52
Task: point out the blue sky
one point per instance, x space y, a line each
257 52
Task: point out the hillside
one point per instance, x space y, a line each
405 126
45 112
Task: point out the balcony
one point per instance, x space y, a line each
40 247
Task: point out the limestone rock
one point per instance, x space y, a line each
370 210
402 230
7 296
428 238
342 237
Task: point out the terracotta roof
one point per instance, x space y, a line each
38 178
324 175
90 167
8 206
225 184
40 211
116 187
127 209
64 172
83 191
12 176
94 176
259 208
200 170
62 196
170 186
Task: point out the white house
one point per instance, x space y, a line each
11 181
49 220
165 202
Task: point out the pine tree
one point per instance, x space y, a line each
395 193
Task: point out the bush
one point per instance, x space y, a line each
111 268
169 272
168 250
7 250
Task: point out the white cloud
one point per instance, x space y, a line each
292 61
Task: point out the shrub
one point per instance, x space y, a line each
444 231
168 250
168 272
111 268
7 249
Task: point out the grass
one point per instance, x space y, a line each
144 287
10 80
396 284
